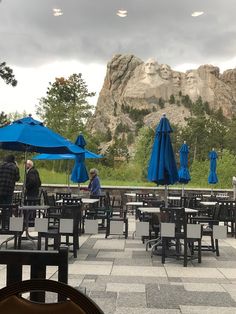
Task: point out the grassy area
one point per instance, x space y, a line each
130 175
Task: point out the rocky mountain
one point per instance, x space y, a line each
135 90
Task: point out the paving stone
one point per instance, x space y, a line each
207 287
168 296
125 287
109 244
108 305
194 272
91 277
94 258
120 254
133 262
125 310
229 273
141 254
137 299
104 294
205 280
207 310
92 269
138 271
132 279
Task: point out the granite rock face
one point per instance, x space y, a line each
133 83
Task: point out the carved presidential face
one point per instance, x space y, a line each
191 78
165 71
176 78
151 66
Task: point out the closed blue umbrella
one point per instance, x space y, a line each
184 176
162 167
79 173
212 178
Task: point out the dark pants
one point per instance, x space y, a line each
6 199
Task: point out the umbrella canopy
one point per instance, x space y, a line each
162 165
212 178
184 176
79 173
88 154
29 135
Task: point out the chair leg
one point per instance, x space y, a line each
126 228
217 248
212 243
163 253
108 228
185 252
15 241
19 242
39 245
199 251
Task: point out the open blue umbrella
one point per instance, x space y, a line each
88 155
212 178
162 167
184 176
30 135
79 173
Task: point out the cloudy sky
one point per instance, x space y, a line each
39 46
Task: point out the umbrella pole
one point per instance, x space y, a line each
182 190
68 177
24 179
166 194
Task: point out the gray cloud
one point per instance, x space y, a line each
90 31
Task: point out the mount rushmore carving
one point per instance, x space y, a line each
140 85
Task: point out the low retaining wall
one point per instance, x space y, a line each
118 190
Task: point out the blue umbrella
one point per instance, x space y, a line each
212 178
79 173
29 135
162 165
88 155
184 176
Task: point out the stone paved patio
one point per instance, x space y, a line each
121 277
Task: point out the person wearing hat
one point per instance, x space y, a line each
9 174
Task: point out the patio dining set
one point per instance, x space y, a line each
178 230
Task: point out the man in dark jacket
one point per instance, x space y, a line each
9 174
33 181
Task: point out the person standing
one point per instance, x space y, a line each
33 181
94 184
9 174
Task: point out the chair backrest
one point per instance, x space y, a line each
38 261
192 202
175 215
17 198
51 201
74 213
44 196
76 301
7 211
61 195
227 210
71 201
141 196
